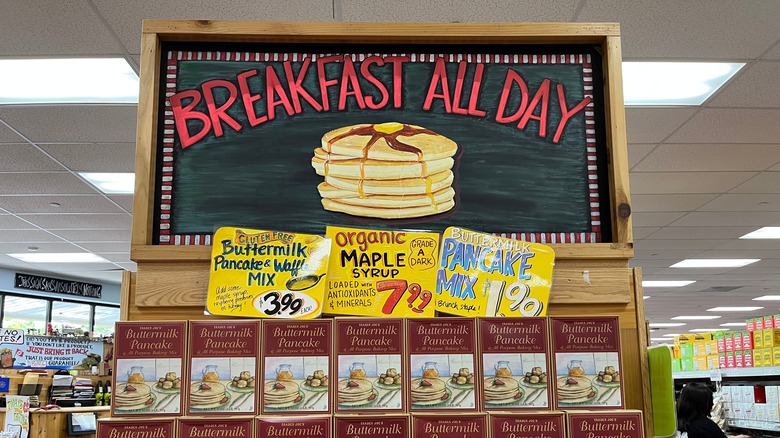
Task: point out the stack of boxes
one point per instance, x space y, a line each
695 352
753 403
766 340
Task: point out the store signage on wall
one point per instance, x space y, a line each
384 136
55 285
51 353
267 274
484 275
381 273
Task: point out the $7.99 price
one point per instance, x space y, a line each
400 287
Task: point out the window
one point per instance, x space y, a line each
25 313
71 318
105 317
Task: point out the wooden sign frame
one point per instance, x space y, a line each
589 279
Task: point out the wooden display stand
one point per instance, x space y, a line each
589 278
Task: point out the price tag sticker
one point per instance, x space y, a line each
716 375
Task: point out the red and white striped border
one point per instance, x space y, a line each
174 57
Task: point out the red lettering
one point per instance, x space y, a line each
512 77
439 77
324 81
182 114
397 62
349 78
475 87
248 98
543 95
456 109
566 114
274 88
219 114
364 70
296 88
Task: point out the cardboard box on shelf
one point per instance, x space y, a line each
700 349
726 394
750 324
713 362
769 322
766 357
775 356
776 320
626 423
108 428
739 359
676 365
771 394
730 359
721 360
720 341
700 363
747 341
748 394
676 354
760 412
728 339
686 350
759 394
747 358
759 323
758 339
771 337
737 341
693 337
446 425
199 427
688 364
772 412
527 425
305 426
371 426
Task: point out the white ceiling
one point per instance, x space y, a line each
700 177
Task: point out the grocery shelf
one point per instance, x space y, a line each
728 373
754 424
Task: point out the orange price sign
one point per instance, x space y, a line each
399 288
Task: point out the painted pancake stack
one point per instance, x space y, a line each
389 170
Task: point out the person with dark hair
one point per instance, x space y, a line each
693 413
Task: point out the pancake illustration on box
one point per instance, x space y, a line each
388 171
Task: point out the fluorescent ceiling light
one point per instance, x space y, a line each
734 309
660 339
767 298
695 317
763 233
646 297
59 257
713 263
710 330
733 324
666 324
111 183
671 335
67 80
674 83
666 283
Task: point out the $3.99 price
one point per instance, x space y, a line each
282 304
398 289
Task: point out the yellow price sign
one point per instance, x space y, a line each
485 275
267 274
381 273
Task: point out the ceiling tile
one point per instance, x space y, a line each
113 157
756 87
28 236
42 184
125 17
43 247
670 29
68 204
759 244
653 125
741 254
8 136
78 236
70 268
107 247
710 157
117 257
62 28
744 202
126 202
719 125
444 11
677 254
647 219
636 152
120 221
24 157
692 272
642 233
685 182
774 53
650 263
73 123
764 182
696 232
9 222
727 219
652 244
642 203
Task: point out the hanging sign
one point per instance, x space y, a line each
485 275
50 352
267 274
381 273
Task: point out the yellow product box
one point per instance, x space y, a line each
381 273
482 274
767 357
712 347
676 353
700 363
758 339
712 362
267 274
775 357
700 349
771 337
693 337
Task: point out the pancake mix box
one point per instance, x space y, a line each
381 273
586 362
370 365
223 367
366 426
527 425
149 366
449 426
513 359
299 427
605 424
126 428
295 356
442 364
216 427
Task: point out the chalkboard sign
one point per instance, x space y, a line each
506 139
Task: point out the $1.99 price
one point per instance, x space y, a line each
417 300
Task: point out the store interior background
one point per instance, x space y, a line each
701 176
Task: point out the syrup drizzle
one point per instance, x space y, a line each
392 141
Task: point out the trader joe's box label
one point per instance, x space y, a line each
381 273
